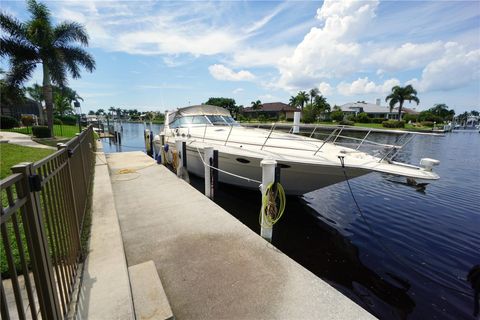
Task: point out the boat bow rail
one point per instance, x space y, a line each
383 151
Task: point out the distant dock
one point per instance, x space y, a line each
210 264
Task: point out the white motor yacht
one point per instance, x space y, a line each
306 163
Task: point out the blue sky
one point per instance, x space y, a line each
162 55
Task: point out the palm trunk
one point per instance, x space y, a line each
48 97
400 111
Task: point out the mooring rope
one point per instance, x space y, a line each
226 172
385 249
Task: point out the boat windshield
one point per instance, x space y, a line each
201 120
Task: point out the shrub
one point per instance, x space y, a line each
352 118
7 122
41 131
262 118
410 117
28 121
377 120
346 123
309 115
363 118
393 124
69 120
57 121
428 116
337 115
427 123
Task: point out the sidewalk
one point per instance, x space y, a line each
22 140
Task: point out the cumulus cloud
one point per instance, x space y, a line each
220 72
407 56
457 67
328 51
364 86
325 88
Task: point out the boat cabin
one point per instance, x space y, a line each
201 115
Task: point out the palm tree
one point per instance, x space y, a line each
256 104
37 41
70 94
313 94
293 101
400 95
62 105
35 92
302 98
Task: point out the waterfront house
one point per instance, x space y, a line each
271 110
27 107
374 110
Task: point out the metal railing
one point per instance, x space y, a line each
43 207
384 151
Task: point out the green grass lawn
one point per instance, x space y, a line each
10 155
59 130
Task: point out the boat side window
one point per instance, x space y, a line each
188 121
200 120
230 121
217 120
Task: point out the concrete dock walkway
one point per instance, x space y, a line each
211 265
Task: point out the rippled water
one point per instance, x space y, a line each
429 240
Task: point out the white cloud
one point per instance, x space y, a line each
220 72
260 57
457 67
329 51
407 56
325 88
364 86
238 91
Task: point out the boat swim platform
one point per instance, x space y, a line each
211 265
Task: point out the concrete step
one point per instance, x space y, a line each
149 298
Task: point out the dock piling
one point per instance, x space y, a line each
208 156
268 177
214 174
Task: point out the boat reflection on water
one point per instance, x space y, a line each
322 249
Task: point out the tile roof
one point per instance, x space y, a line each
272 107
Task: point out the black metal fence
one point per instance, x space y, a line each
43 208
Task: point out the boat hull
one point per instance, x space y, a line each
296 178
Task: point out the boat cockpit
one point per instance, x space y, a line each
200 116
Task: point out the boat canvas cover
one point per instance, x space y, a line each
199 110
202 110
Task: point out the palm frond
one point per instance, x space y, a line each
409 88
39 11
20 72
20 49
12 26
56 68
74 56
414 98
67 32
393 102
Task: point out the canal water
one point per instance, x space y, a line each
408 256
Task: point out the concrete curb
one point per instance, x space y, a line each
105 292
149 297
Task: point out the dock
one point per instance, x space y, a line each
211 266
